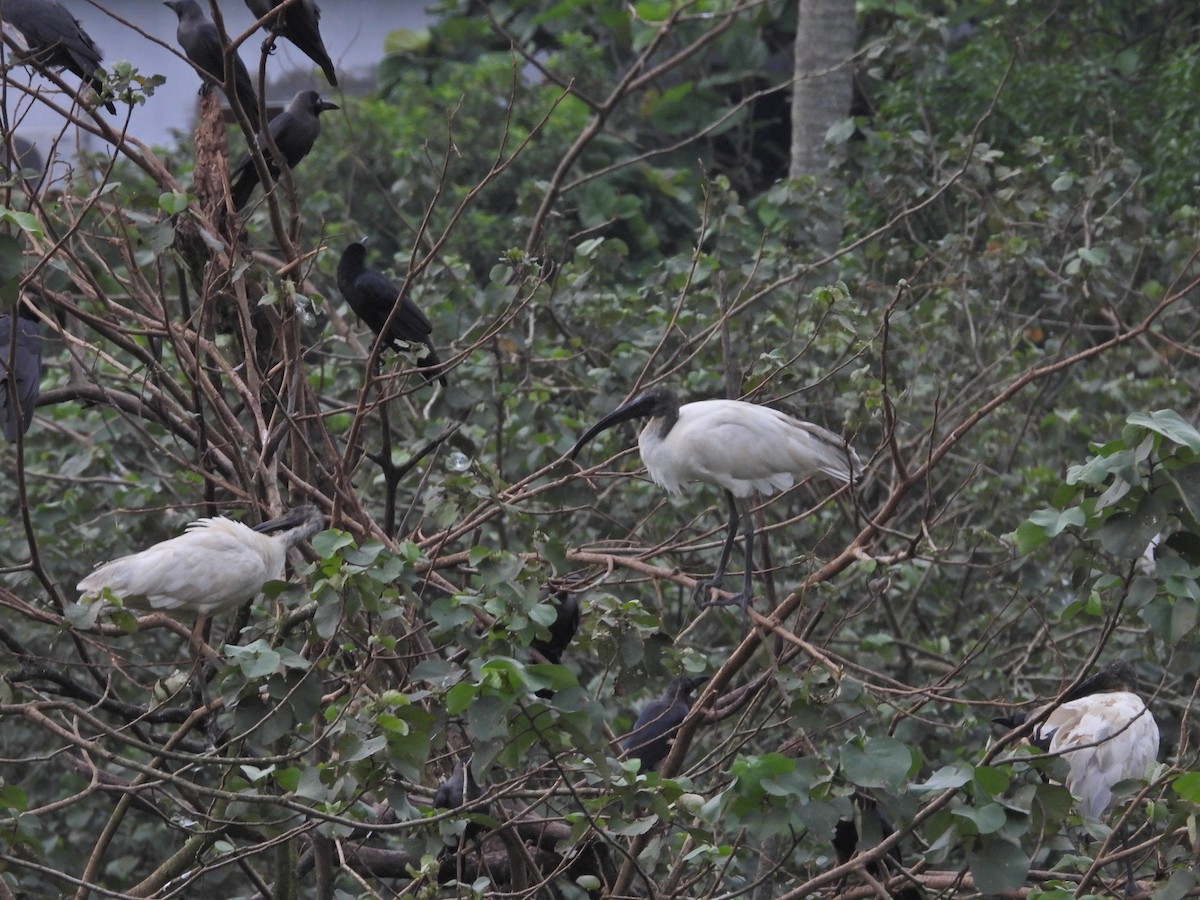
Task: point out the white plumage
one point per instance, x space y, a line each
216 564
1106 738
1107 735
742 447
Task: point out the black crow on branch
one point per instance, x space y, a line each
201 43
299 24
294 132
56 40
372 297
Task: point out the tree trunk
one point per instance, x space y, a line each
822 91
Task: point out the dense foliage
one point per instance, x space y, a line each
586 199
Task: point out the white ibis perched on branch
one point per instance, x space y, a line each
743 447
1105 732
216 564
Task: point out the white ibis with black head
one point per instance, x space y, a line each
1105 732
742 447
216 564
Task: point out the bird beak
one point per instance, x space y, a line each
697 680
1014 721
290 519
324 105
639 407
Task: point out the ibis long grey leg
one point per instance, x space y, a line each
743 599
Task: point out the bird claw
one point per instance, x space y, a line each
705 588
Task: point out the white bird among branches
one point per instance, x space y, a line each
743 447
216 564
1105 732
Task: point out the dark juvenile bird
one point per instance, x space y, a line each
1107 735
742 447
216 564
56 39
657 723
294 132
876 828
26 367
562 630
299 24
461 789
372 297
201 43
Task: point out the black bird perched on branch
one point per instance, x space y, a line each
26 368
294 132
299 24
56 40
658 722
372 297
201 43
459 790
877 828
562 631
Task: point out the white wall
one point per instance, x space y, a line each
354 32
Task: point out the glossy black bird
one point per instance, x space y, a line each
294 132
372 297
201 43
657 723
459 790
562 631
299 24
26 367
56 39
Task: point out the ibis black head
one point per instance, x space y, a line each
655 402
1116 676
295 525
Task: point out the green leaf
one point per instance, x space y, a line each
256 660
1187 786
172 202
987 819
880 762
947 777
998 866
1170 425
